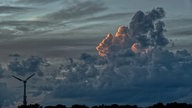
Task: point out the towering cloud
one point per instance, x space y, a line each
142 23
134 66
145 31
105 45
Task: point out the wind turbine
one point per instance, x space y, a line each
24 82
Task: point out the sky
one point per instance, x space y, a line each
60 28
56 30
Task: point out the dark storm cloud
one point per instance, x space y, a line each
141 23
76 11
138 78
132 83
13 9
102 81
145 30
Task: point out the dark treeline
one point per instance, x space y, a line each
158 105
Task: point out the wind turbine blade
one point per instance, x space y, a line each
17 78
30 76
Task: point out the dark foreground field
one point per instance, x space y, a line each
158 105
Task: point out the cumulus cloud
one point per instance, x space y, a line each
121 41
138 80
122 75
145 30
141 23
29 65
134 67
129 82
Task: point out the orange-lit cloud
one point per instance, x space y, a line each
146 31
103 47
121 40
135 47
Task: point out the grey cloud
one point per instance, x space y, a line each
29 65
6 32
112 16
178 23
2 71
49 48
129 83
36 1
121 78
90 27
78 10
6 97
133 82
141 23
149 23
102 24
185 31
25 23
157 75
23 28
13 9
47 23
144 31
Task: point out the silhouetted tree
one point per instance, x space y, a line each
31 106
128 106
158 105
57 106
178 105
115 106
79 106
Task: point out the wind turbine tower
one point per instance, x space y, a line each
24 83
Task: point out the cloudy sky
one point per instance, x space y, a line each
58 29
